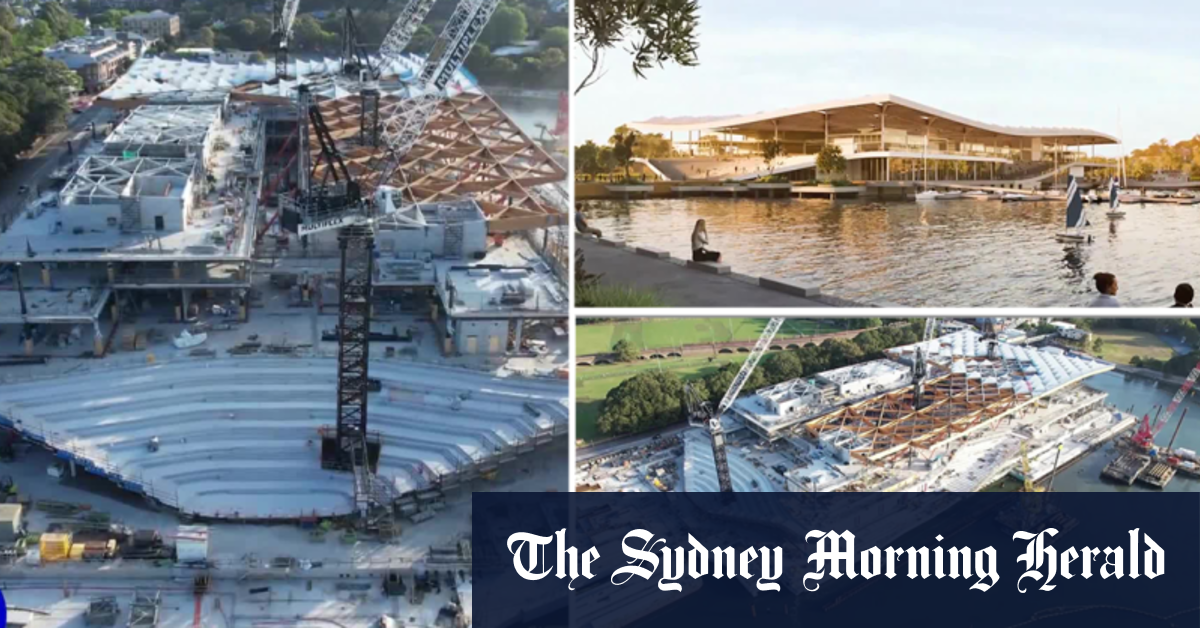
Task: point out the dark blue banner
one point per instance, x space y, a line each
608 560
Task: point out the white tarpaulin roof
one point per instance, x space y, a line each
153 75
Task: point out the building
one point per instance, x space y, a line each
99 60
157 23
884 138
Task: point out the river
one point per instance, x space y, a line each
961 253
1125 391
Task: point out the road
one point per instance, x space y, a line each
621 443
43 158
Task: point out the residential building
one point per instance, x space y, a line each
99 60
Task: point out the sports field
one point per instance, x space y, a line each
1122 344
663 333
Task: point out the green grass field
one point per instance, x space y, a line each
592 384
1122 344
664 333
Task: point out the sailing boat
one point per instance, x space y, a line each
926 194
1076 220
1114 200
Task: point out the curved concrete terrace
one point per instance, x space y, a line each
239 438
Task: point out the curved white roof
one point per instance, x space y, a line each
153 75
661 124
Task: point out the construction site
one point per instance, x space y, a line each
958 411
264 337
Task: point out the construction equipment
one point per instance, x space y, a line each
282 18
338 204
355 60
1144 437
1029 486
701 413
920 364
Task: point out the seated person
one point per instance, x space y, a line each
581 223
700 252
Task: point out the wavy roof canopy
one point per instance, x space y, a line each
858 114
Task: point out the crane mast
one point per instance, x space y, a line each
701 414
338 204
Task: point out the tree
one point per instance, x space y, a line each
422 41
111 18
622 148
258 57
645 401
507 25
770 150
587 158
8 19
205 37
656 33
557 37
830 160
625 351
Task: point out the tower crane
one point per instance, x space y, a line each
339 204
1144 437
701 413
282 18
920 365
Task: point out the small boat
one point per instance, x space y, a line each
1158 194
1114 200
1183 194
949 196
1012 197
927 195
1076 216
977 195
1092 197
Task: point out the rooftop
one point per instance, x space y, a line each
164 124
855 114
512 278
153 75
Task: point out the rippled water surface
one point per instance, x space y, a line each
947 253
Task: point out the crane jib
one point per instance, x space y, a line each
463 47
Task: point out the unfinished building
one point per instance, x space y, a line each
879 424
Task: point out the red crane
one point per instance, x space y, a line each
1144 437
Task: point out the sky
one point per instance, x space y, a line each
1129 68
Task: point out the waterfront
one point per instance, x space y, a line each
946 253
1124 391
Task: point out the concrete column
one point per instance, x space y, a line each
187 302
520 327
28 346
46 275
176 272
98 343
112 272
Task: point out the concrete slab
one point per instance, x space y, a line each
612 242
652 252
799 288
715 268
679 286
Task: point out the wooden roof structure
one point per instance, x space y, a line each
885 426
470 147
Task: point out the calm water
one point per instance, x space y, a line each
942 254
1142 394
